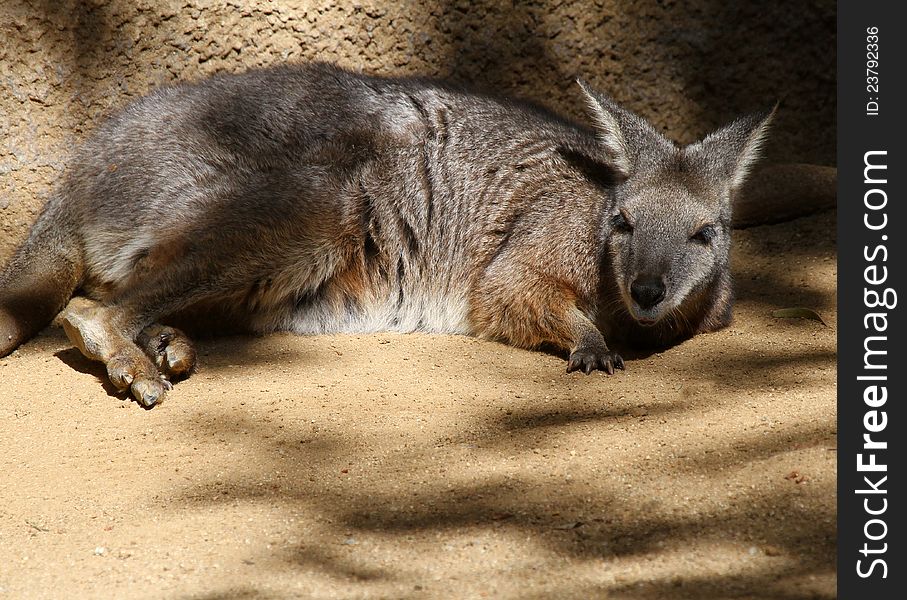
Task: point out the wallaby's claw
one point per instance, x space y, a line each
121 372
618 361
611 361
590 360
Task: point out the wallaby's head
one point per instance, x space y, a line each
669 228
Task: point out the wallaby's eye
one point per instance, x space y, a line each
705 235
620 222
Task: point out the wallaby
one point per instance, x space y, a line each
312 199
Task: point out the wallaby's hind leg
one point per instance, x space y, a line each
99 333
169 348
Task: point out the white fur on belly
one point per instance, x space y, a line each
415 313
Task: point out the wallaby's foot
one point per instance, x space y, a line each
169 348
590 358
91 327
130 372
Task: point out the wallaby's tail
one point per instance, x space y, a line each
39 280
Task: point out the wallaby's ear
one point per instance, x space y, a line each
731 151
607 120
628 138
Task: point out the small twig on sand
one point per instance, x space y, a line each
35 526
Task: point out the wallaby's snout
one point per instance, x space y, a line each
647 292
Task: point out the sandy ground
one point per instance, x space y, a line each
393 466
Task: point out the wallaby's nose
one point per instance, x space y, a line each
647 291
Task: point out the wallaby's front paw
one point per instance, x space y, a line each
590 359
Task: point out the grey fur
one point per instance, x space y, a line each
311 199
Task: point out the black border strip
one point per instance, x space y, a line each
871 261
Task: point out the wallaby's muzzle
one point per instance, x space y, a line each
647 293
